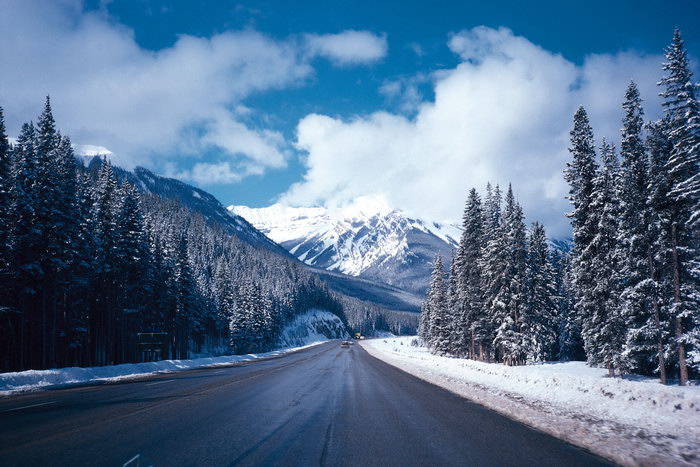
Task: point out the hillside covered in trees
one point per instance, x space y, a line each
627 297
88 261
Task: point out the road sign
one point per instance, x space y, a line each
152 342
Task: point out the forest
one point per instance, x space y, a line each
89 262
627 295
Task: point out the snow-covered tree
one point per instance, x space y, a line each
540 310
469 277
682 112
508 305
580 174
604 330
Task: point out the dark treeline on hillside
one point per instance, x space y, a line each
87 262
627 297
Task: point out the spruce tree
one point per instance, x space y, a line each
580 174
540 310
604 332
509 303
470 277
654 334
436 303
683 114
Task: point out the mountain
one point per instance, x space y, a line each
367 239
197 200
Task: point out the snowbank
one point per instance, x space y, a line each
44 379
630 421
313 326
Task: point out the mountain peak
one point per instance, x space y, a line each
366 238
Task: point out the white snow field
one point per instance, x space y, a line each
629 421
311 328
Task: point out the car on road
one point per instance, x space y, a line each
344 344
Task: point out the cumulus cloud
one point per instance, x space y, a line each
502 115
348 47
146 106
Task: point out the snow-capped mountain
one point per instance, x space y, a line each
367 238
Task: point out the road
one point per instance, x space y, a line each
323 405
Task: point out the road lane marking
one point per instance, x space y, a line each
162 404
218 372
29 406
160 382
131 460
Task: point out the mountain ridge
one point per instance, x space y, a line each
367 239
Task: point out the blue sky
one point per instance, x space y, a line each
273 104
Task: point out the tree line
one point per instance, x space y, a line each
627 297
87 263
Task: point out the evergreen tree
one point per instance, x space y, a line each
493 269
634 242
457 322
604 331
470 281
652 336
438 331
5 219
683 113
540 311
570 341
509 303
580 174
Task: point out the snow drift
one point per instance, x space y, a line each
313 326
630 421
30 380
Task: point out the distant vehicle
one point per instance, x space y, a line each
358 335
350 342
344 344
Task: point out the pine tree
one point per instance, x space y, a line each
605 330
580 174
683 113
633 243
5 219
570 341
508 304
493 269
436 304
659 287
457 323
469 281
540 311
8 315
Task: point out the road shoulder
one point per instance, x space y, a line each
608 438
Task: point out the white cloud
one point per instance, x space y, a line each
502 115
149 105
91 150
348 47
205 173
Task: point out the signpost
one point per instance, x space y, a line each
152 345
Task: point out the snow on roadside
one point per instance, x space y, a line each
312 326
32 380
632 422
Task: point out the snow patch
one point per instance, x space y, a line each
31 380
312 327
630 421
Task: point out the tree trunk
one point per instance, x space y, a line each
657 322
677 298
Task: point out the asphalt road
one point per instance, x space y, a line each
324 405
